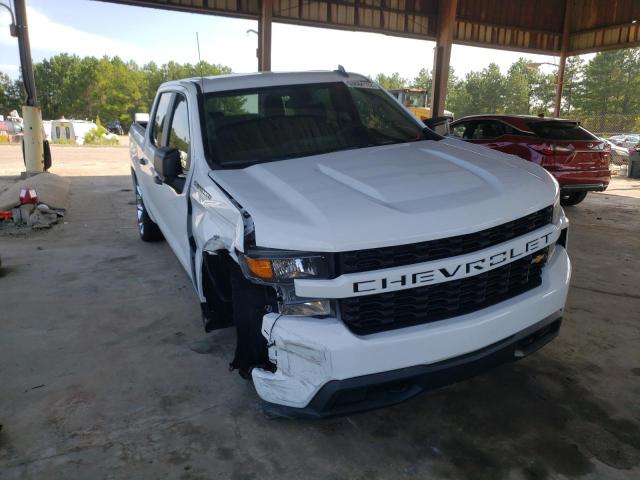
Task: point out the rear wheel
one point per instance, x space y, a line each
148 229
572 198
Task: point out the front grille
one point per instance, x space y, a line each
396 256
387 311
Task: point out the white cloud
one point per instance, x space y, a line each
9 68
228 45
49 36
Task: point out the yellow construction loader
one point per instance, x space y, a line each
415 99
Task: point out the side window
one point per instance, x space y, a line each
179 137
458 130
487 130
509 130
159 118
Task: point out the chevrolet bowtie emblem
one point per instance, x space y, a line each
538 258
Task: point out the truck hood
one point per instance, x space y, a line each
388 195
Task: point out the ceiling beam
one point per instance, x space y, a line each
418 20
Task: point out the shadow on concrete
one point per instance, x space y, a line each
102 370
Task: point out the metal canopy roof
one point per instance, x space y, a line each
523 25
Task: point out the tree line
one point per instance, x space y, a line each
608 84
86 88
604 89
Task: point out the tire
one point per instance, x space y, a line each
47 155
147 228
573 198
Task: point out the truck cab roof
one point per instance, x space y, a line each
240 81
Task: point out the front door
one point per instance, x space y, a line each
169 202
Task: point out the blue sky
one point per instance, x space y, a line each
86 27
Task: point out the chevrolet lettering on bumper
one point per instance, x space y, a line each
429 273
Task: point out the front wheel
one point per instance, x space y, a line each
573 198
148 229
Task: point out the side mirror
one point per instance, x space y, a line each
166 163
440 125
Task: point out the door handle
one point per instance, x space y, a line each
142 161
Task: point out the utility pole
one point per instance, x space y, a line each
33 140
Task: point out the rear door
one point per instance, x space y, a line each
568 146
462 130
62 131
493 134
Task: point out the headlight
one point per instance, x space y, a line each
280 268
276 266
557 211
290 304
555 219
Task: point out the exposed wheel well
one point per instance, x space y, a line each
216 287
231 299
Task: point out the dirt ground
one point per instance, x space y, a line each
106 373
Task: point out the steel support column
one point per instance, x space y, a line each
264 36
442 55
24 48
566 34
32 140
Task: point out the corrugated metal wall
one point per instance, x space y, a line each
415 18
601 25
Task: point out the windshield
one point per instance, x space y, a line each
414 99
266 124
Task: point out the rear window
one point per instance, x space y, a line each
560 131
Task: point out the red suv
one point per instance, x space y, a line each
575 157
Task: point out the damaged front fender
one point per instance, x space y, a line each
222 227
218 225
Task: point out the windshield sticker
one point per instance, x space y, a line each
361 84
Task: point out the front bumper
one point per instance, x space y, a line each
318 360
342 397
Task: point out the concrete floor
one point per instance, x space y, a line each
103 375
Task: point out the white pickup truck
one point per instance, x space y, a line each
361 257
